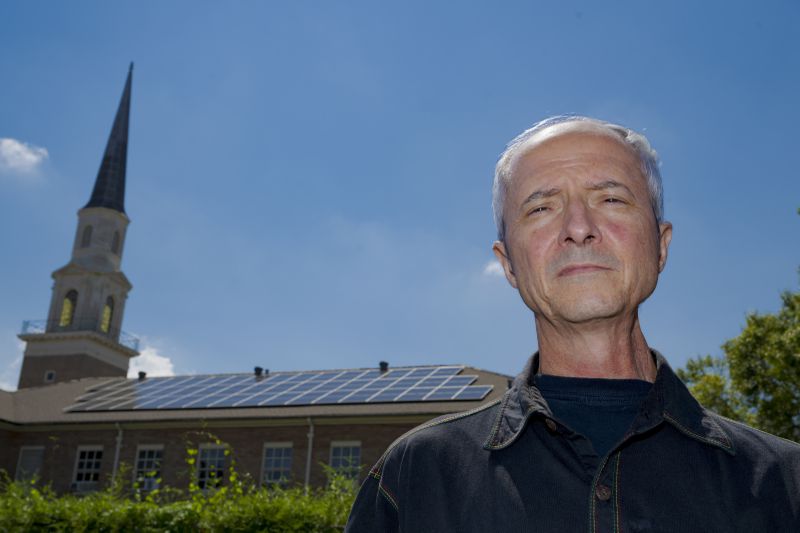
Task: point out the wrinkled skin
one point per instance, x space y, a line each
583 247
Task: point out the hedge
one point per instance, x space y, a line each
237 504
24 507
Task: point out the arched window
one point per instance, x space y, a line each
68 308
108 314
115 243
86 238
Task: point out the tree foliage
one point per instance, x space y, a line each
757 381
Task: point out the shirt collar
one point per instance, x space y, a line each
669 401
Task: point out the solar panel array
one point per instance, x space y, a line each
401 384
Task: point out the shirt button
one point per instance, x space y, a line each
602 492
551 426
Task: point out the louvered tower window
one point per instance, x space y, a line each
108 314
86 238
115 243
68 308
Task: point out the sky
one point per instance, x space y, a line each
309 183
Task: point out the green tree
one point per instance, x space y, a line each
757 381
709 380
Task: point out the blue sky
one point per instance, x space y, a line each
309 182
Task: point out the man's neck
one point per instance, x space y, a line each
613 349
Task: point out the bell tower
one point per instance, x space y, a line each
82 335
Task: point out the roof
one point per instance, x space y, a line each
109 187
49 404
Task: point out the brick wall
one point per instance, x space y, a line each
66 367
247 444
60 453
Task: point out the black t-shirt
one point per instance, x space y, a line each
601 410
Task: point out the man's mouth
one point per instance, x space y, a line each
586 268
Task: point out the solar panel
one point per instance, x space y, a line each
329 387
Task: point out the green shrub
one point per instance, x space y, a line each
24 507
237 505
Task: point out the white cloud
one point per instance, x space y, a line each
20 157
493 269
152 362
149 361
10 374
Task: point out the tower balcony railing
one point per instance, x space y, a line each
81 324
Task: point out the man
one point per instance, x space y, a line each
597 434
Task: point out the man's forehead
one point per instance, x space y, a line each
571 128
575 138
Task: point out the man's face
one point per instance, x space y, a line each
582 242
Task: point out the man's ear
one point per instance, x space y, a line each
500 252
664 238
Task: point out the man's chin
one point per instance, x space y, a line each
588 311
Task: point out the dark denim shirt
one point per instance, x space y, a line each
510 466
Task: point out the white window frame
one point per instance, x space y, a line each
278 445
23 449
148 480
226 463
49 376
352 470
87 486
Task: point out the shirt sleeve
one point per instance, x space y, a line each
375 510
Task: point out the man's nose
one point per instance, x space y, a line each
578 225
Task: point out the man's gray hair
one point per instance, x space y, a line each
640 144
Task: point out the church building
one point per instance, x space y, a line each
78 422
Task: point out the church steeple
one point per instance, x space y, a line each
82 336
109 187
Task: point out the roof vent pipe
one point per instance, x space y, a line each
142 375
384 366
258 371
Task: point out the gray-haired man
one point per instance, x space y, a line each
597 433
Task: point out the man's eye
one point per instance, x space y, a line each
540 209
612 200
